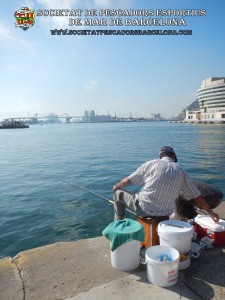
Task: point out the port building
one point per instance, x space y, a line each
211 99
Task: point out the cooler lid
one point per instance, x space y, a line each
174 226
207 222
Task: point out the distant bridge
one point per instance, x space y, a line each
37 116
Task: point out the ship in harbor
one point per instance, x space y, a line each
12 124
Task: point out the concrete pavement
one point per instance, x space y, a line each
82 270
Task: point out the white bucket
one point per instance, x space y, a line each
127 256
162 273
177 234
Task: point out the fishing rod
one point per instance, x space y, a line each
93 193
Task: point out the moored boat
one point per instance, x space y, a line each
13 124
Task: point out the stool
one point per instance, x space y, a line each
150 224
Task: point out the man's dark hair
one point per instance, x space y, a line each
169 152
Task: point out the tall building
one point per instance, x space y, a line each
211 98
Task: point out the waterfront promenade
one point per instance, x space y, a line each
82 270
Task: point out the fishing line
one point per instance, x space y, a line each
93 193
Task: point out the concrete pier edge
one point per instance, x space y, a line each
83 270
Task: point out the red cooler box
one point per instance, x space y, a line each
205 226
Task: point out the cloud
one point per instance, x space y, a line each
102 3
92 85
11 67
59 22
114 4
4 32
18 107
29 4
7 37
62 22
58 3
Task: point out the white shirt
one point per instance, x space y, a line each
162 181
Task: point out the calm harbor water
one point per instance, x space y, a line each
37 204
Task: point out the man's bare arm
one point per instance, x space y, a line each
124 182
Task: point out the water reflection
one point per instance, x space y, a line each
210 154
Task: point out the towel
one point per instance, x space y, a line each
123 231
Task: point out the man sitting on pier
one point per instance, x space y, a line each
161 181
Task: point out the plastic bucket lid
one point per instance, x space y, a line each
177 234
173 227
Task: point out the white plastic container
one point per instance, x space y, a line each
177 234
162 273
127 256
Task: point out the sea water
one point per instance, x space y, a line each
40 206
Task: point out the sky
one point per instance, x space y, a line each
140 75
